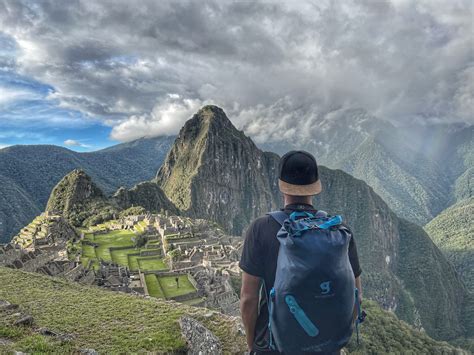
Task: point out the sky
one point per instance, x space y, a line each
88 74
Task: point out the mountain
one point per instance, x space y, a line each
216 172
80 201
405 179
28 174
419 170
401 266
453 232
147 195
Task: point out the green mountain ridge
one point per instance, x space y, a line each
453 232
406 181
419 170
32 171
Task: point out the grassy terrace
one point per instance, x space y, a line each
125 257
151 263
106 321
165 286
170 289
153 286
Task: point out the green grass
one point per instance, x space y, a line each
170 289
193 302
121 256
118 238
151 264
132 262
153 286
109 322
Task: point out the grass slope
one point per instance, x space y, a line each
109 322
453 232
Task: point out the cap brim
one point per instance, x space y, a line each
300 190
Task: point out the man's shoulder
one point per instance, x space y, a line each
262 220
262 223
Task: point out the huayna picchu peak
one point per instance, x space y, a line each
214 171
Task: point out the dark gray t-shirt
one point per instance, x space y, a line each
259 258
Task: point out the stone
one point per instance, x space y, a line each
5 306
17 264
88 352
26 320
200 340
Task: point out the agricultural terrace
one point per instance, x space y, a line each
118 246
166 286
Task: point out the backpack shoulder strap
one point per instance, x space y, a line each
278 216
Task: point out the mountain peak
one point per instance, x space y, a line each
75 187
214 171
209 118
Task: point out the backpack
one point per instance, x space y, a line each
312 301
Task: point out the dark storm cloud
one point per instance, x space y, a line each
144 67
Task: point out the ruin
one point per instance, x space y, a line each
158 255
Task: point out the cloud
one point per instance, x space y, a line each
166 118
4 145
75 143
399 60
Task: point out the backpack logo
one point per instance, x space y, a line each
325 287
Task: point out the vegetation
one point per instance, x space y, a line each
171 289
132 324
438 293
453 232
108 322
383 333
29 173
120 247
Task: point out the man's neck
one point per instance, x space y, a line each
298 200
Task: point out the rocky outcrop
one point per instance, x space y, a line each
200 340
214 171
147 195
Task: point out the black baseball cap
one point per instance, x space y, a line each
298 174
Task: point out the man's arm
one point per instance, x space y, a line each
358 284
249 294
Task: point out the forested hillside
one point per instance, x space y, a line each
453 232
30 172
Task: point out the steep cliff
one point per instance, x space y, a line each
403 270
453 232
214 171
145 194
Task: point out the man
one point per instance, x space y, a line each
298 182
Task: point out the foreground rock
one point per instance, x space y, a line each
200 340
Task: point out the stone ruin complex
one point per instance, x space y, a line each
194 247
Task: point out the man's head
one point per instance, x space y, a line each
298 176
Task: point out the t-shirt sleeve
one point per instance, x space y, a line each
354 257
251 260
